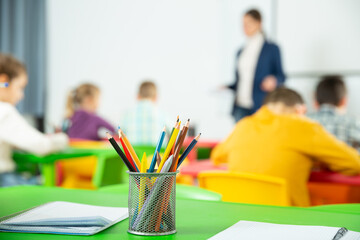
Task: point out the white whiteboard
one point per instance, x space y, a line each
319 36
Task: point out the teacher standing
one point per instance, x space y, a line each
258 68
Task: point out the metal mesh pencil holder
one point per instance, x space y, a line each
152 203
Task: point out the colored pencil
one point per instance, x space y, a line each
128 154
165 198
143 163
168 148
167 164
188 149
177 139
142 181
157 149
130 148
153 196
120 152
158 158
176 123
179 145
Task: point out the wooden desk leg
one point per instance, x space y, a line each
48 173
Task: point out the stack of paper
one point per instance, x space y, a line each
259 230
64 218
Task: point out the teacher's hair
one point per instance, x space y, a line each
254 13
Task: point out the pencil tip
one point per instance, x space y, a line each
108 135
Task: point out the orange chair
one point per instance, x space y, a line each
246 187
322 193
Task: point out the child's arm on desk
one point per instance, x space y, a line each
17 132
338 156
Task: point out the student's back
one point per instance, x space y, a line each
82 122
345 127
143 123
284 145
331 99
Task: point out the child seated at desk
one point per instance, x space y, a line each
82 122
15 132
143 123
331 101
81 119
279 141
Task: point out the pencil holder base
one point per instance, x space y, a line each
151 234
152 203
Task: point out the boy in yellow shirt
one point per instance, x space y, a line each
279 141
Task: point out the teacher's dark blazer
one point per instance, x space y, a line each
269 63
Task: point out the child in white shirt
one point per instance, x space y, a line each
15 132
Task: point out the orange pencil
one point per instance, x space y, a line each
128 155
130 148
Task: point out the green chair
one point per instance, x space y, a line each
109 170
203 153
182 192
344 208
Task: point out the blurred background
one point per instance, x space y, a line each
187 47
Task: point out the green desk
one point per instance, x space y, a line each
48 162
195 219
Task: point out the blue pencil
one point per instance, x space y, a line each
157 149
188 149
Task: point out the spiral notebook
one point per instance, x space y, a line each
259 230
63 218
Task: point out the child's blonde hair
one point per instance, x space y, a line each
77 96
147 89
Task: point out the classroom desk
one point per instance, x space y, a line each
194 168
48 162
332 177
202 143
195 219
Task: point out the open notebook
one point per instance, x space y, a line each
259 230
63 218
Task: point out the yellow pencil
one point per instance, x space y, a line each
143 163
142 181
169 147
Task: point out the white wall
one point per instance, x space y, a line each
119 43
319 35
186 46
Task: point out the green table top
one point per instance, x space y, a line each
195 219
64 154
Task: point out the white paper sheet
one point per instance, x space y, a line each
258 230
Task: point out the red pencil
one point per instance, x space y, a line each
128 154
